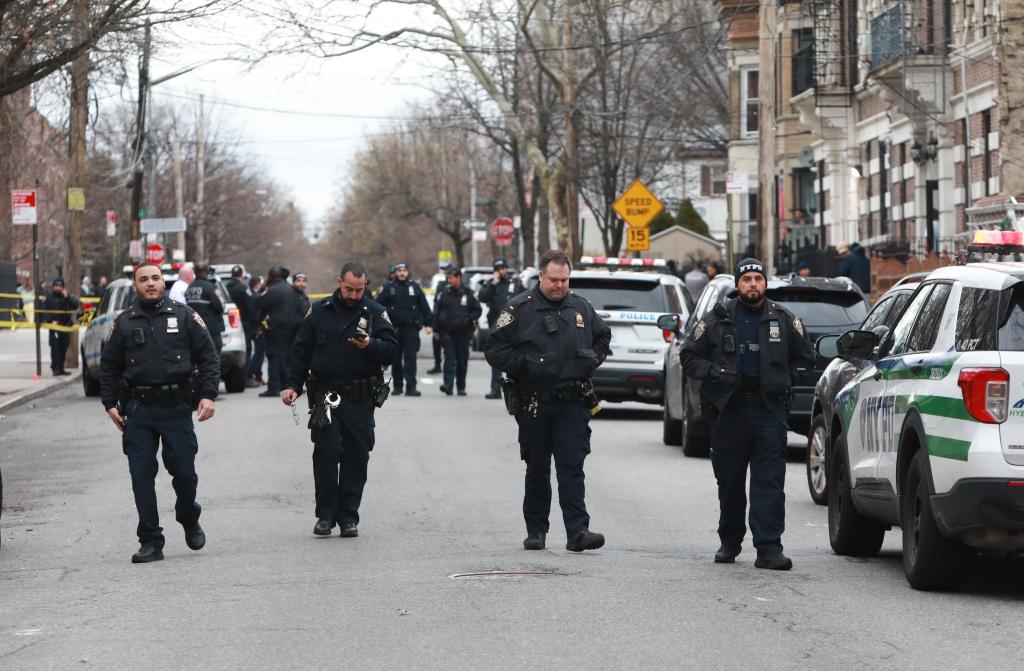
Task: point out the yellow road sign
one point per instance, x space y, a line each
638 239
76 199
637 205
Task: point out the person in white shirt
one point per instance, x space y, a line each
185 277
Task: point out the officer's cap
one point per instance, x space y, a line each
400 264
750 265
452 271
299 276
500 263
59 282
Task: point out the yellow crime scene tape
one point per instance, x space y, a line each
27 320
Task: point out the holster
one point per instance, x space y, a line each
195 387
511 396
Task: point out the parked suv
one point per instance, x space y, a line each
824 305
929 436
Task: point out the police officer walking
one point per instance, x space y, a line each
338 355
746 353
496 294
455 315
149 391
279 306
409 311
436 342
202 297
548 342
60 309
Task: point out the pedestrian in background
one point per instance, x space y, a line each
746 352
149 392
201 296
409 311
712 268
496 294
300 282
696 280
455 316
86 289
186 275
259 340
436 342
338 355
549 341
60 309
239 293
855 265
279 306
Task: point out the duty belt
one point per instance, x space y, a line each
163 394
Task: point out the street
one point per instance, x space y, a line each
443 499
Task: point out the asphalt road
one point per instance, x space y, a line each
443 499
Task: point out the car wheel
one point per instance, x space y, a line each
694 438
671 429
234 381
90 384
930 560
849 532
817 443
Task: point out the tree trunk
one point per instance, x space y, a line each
77 121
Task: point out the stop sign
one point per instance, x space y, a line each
155 253
503 231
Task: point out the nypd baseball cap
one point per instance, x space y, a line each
500 263
400 264
750 265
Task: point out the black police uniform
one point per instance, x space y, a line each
549 350
323 360
239 292
436 342
202 297
409 311
279 305
65 310
455 316
747 360
495 297
146 366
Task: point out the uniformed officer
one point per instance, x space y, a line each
338 355
202 297
496 294
59 308
300 282
548 342
409 311
747 352
436 342
455 315
149 390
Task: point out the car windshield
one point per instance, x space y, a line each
613 293
822 308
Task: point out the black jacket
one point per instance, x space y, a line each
202 297
243 301
66 305
456 310
406 304
710 353
280 306
301 302
158 352
540 345
497 296
857 267
321 345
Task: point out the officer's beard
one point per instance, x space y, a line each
751 299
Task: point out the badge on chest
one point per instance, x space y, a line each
412 291
579 321
172 324
464 299
774 331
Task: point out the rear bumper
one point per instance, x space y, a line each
976 504
629 384
231 359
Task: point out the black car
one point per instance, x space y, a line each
826 306
838 373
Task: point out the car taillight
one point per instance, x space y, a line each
669 336
986 393
234 318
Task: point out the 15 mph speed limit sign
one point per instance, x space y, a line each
638 239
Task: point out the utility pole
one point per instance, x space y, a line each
77 120
472 208
140 123
572 204
179 195
199 243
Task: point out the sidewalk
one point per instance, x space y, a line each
18 365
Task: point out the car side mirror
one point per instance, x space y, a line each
669 323
856 345
826 346
884 335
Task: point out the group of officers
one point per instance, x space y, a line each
160 364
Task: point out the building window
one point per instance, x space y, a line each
869 178
986 159
718 180
803 184
749 105
803 61
883 189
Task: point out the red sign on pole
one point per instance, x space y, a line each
503 231
23 207
155 253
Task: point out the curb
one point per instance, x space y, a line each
35 393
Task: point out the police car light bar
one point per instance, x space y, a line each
997 242
619 262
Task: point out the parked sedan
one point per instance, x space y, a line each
825 305
838 372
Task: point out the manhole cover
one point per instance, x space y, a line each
483 575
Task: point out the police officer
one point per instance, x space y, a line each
436 342
279 307
148 389
548 342
243 300
495 294
455 315
747 352
59 308
202 297
338 355
300 282
409 311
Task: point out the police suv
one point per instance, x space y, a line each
929 435
630 295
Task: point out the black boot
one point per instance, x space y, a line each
146 554
195 539
323 527
727 553
534 541
436 370
493 395
349 530
446 389
773 560
584 540
414 392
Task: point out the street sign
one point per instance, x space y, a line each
737 182
638 239
23 207
479 236
171 225
155 253
503 230
135 249
111 223
444 255
76 199
637 205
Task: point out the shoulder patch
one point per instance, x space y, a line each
699 330
504 319
113 327
798 326
199 320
